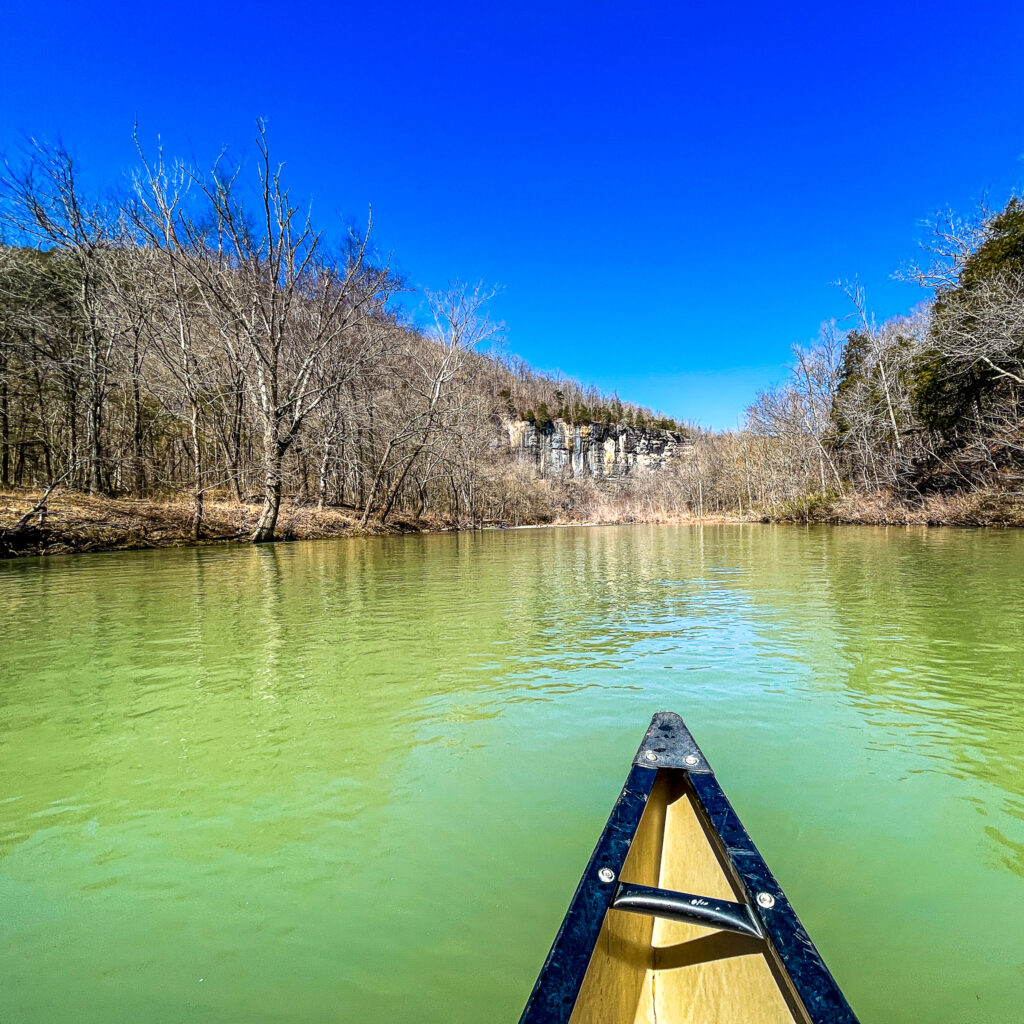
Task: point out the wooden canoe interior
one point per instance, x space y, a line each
654 971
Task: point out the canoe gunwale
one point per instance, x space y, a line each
555 993
823 1001
561 977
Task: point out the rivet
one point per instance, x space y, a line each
606 875
766 900
690 759
650 755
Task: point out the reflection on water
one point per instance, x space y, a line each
358 780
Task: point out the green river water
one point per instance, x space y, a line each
358 780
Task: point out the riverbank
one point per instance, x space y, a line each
75 522
983 508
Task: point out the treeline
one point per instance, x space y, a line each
195 331
880 419
586 405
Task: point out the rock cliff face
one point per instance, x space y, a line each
594 449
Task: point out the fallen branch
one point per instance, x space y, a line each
38 509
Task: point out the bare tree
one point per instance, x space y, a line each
287 309
43 205
431 375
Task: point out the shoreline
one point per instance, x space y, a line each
79 523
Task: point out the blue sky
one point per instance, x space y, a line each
665 192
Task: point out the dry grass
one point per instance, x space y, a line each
82 522
616 516
984 508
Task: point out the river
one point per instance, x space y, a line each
358 780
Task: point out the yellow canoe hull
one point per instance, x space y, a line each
677 919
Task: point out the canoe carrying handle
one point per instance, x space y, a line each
684 906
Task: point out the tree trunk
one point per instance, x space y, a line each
197 515
236 443
5 423
94 423
140 463
372 496
325 465
267 523
197 469
94 415
389 501
455 500
72 412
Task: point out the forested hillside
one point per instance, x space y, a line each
917 419
193 335
196 332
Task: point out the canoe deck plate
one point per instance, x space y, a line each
672 746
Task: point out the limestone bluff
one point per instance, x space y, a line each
602 451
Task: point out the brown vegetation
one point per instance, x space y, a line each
197 361
70 521
196 334
882 508
74 522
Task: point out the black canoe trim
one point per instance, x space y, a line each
812 980
558 985
669 744
554 995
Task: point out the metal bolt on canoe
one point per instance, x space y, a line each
677 917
